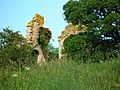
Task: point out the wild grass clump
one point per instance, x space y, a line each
64 75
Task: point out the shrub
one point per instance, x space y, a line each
50 52
86 47
14 52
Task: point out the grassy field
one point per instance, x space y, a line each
64 75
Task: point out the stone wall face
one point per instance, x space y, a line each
33 29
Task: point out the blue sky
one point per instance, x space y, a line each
17 13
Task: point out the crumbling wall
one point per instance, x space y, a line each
35 30
69 30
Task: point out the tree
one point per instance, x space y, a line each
50 52
44 37
13 49
102 19
71 11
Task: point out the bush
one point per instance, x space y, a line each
86 47
75 47
50 52
14 52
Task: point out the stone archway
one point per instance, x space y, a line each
35 54
70 29
39 55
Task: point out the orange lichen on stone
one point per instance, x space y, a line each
39 19
33 29
30 24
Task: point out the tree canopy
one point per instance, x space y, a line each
102 15
14 51
102 19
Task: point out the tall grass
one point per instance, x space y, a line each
64 75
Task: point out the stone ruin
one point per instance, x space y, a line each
35 31
70 29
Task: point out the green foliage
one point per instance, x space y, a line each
103 25
102 18
71 11
14 52
50 52
76 47
88 11
64 75
44 37
85 47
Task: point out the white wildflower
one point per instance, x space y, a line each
14 75
27 68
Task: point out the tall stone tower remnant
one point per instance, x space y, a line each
35 30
